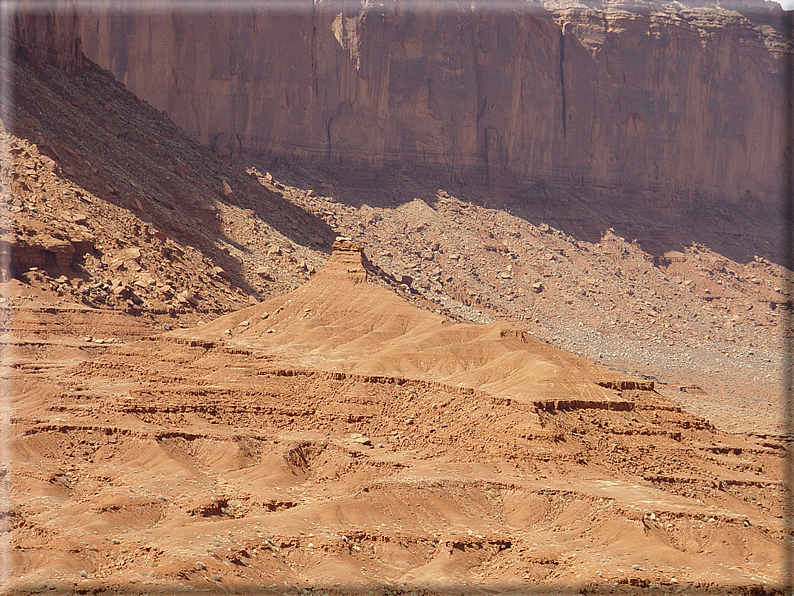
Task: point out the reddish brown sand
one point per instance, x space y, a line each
338 439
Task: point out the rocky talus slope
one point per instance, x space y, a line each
280 449
111 206
704 326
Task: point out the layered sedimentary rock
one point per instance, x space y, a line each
673 102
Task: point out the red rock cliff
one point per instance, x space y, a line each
664 102
48 31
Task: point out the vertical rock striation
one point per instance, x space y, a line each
48 31
648 102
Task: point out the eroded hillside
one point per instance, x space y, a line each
200 399
704 326
112 206
286 448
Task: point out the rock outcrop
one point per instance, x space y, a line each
365 329
30 245
632 100
48 31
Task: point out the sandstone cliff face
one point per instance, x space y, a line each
658 102
48 31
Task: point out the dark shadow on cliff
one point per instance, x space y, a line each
737 231
121 150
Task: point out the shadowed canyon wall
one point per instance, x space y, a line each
678 103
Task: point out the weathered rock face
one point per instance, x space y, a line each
48 31
657 102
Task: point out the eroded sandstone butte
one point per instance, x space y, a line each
634 100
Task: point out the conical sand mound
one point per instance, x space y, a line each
338 321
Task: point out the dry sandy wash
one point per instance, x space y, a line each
338 440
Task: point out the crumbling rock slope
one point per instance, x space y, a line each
110 205
694 305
